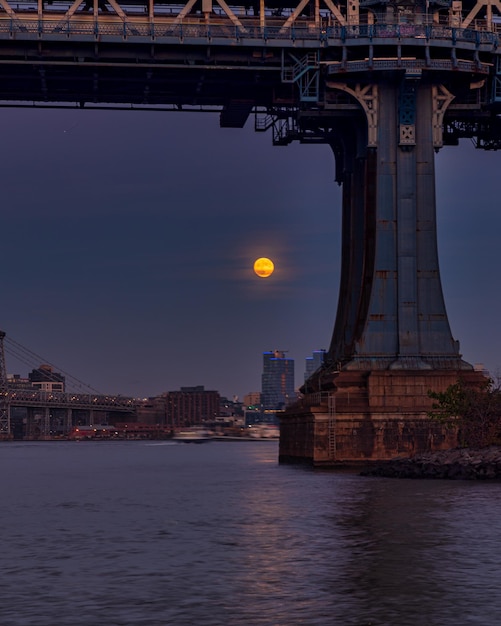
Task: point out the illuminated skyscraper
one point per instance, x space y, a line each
312 363
277 390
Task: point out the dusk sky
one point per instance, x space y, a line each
129 239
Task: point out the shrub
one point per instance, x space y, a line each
474 411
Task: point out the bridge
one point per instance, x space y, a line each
283 61
384 83
36 413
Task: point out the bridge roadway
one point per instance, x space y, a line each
34 414
61 400
267 57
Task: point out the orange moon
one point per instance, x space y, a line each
264 267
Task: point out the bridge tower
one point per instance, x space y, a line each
387 107
5 431
392 342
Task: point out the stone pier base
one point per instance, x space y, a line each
366 416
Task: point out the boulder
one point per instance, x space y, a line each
455 464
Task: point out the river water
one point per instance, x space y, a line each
219 534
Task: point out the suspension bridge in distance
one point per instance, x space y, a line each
31 412
385 84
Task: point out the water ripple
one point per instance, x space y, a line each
131 534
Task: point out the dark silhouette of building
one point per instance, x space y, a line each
152 410
191 406
313 363
15 381
46 379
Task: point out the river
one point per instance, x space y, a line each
219 534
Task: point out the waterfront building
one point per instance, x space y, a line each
191 406
277 384
152 410
254 415
230 408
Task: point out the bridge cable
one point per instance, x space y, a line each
27 357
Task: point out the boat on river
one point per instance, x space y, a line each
193 435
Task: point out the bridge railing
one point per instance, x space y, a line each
187 30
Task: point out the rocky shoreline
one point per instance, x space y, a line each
458 464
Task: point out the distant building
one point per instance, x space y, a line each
253 398
14 381
191 406
256 416
277 384
230 408
312 363
46 379
252 408
480 367
152 410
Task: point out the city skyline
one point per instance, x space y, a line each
46 377
130 237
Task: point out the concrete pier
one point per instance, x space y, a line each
367 416
392 343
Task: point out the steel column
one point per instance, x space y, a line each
390 272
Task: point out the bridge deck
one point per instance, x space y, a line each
188 61
161 29
61 400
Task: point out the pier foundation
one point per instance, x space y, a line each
369 416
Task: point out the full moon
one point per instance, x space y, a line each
263 267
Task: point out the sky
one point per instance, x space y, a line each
129 239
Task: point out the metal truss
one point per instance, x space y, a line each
281 15
62 400
270 18
484 132
238 56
